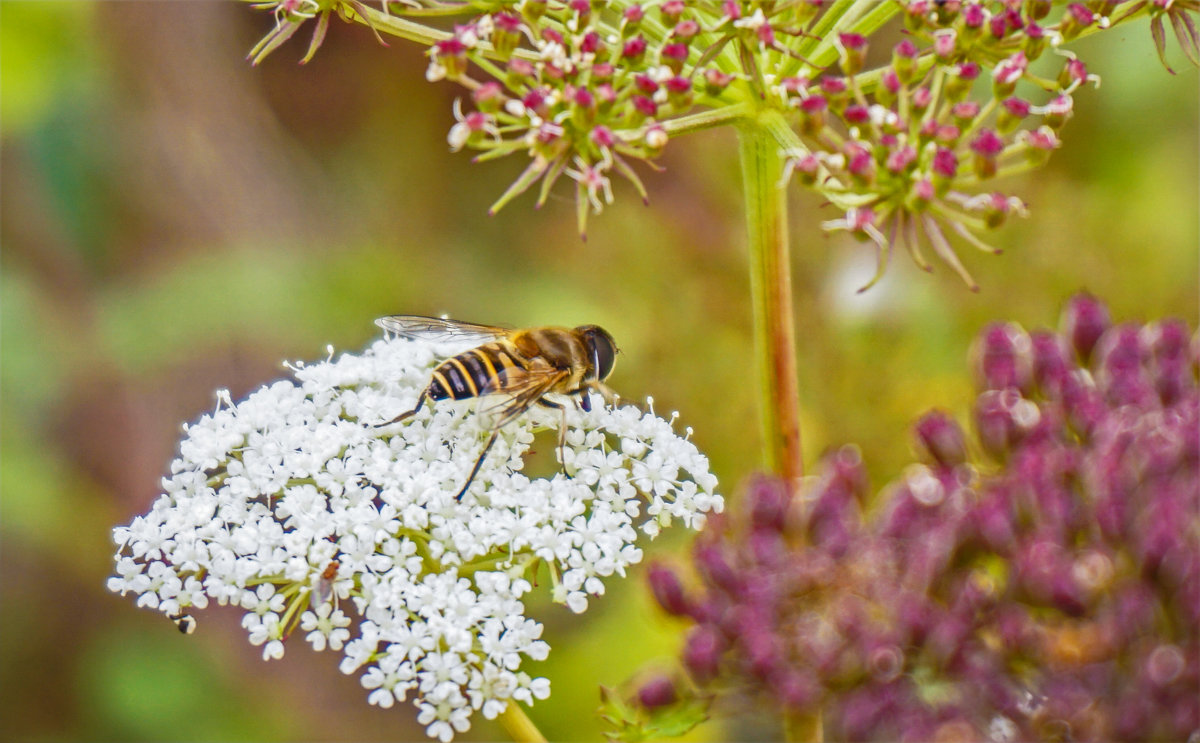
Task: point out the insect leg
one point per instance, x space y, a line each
409 414
562 433
478 463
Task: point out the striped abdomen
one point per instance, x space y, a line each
479 371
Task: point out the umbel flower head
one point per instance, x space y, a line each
906 148
295 506
1050 591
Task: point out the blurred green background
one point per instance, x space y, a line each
174 221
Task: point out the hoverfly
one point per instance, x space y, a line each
524 365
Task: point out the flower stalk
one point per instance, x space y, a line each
518 725
771 294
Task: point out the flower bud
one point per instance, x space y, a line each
603 137
582 10
716 570
643 107
921 98
631 20
889 88
451 54
853 48
901 159
1034 41
1050 363
1075 20
1073 73
945 44
533 10
488 97
961 80
679 92
768 501
1083 321
667 590
686 30
671 11
1007 73
1001 357
519 75
998 26
987 147
1002 418
992 522
674 56
964 112
941 438
633 51
1120 373
506 34
657 692
812 114
904 61
915 12
1038 9
702 652
1012 112
716 81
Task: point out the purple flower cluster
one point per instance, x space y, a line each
1049 591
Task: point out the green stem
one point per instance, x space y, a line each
518 725
412 31
706 119
771 293
803 728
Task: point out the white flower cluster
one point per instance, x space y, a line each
298 507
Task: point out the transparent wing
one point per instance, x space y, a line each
439 329
520 392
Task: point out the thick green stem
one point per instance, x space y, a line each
518 725
771 294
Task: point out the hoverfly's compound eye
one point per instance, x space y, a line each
602 349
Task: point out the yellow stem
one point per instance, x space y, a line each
518 725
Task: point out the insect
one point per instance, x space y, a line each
184 621
323 590
522 365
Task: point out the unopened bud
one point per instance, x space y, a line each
657 692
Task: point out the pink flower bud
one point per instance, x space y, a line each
674 56
945 163
921 98
941 438
603 137
634 49
671 11
667 590
716 81
1083 321
686 29
854 52
945 44
1076 19
645 106
702 652
646 84
657 692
